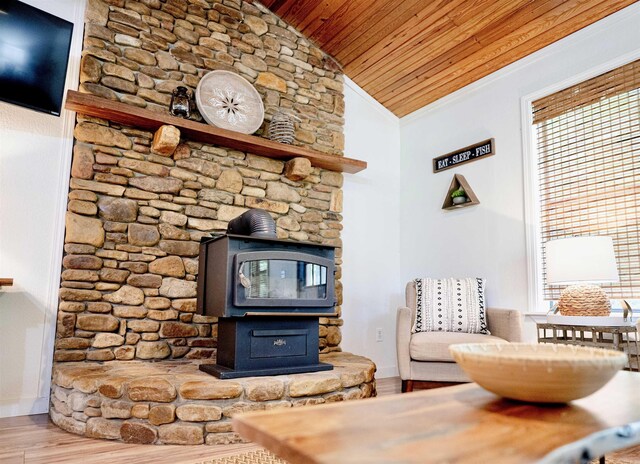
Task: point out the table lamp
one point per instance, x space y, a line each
582 262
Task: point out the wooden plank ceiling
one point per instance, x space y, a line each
409 53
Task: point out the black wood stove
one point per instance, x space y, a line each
268 295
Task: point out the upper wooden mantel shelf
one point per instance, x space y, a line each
122 113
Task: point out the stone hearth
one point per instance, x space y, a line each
172 402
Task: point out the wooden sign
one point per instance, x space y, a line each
464 155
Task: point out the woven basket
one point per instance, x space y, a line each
584 300
281 128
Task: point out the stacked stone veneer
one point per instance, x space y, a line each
138 52
172 402
136 214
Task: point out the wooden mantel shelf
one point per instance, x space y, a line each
5 282
130 115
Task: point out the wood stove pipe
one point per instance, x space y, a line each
255 223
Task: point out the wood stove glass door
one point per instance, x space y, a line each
283 279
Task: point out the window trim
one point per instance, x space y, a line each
535 301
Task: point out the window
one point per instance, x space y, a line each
315 275
588 163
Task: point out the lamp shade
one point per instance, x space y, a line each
581 260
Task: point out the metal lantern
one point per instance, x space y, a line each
180 102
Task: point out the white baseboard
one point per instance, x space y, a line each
385 372
24 407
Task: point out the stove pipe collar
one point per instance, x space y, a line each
255 223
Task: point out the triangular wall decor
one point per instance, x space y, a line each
457 182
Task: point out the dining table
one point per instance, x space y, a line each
458 424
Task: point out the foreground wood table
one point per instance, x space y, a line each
461 424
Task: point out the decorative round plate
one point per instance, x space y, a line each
229 101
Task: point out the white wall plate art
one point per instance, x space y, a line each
229 101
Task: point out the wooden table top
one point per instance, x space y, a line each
461 424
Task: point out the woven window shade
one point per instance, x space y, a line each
588 143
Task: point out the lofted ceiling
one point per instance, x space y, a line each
409 53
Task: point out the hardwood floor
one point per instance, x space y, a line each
35 440
388 386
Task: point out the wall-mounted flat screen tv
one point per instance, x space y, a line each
34 52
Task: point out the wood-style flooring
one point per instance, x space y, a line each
35 440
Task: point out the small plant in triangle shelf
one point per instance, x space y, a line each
459 196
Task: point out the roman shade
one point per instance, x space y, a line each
588 146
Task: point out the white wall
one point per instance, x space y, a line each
373 288
35 157
489 239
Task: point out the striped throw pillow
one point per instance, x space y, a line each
450 305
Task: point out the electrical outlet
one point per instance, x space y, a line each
379 334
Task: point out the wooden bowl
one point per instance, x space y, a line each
539 373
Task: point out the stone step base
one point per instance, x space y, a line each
173 402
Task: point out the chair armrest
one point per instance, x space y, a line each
403 337
505 323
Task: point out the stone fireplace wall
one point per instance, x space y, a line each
135 216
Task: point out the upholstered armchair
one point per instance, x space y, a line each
425 357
